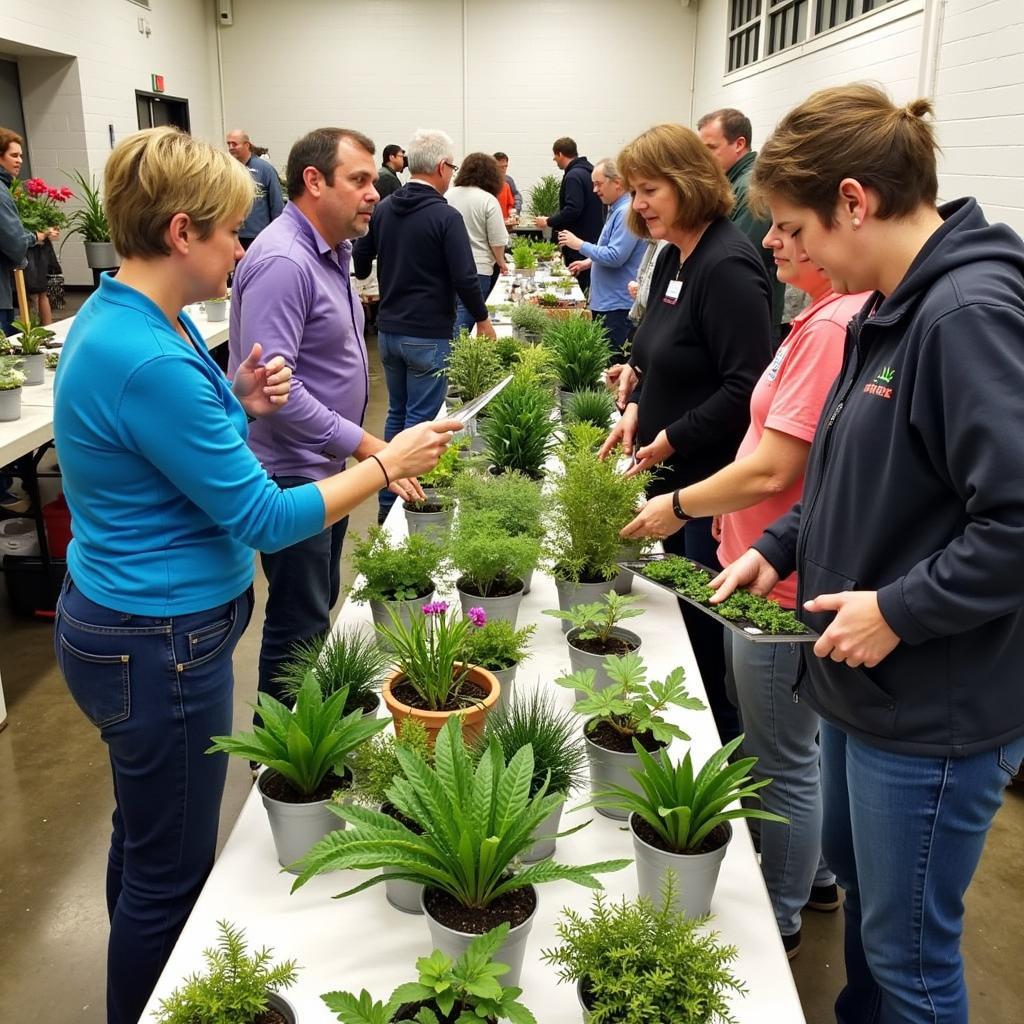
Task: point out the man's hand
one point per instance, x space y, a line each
261 389
655 520
651 454
485 329
858 635
621 378
578 266
623 433
541 222
568 240
751 570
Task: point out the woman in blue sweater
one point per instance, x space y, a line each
168 504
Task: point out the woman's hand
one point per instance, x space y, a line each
651 454
568 240
623 433
655 520
578 266
751 570
858 635
621 378
262 389
416 450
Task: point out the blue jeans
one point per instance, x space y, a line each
157 689
783 736
904 835
463 317
6 322
414 371
303 584
617 324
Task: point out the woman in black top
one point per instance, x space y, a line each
703 343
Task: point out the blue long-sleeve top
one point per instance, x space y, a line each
167 501
615 259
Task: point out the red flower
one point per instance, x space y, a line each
65 193
36 187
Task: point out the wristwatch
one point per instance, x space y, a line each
677 509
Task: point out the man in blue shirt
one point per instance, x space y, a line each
614 259
268 204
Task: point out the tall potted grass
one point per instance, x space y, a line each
518 431
90 222
544 196
581 353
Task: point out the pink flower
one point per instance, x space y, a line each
477 616
36 187
65 193
435 608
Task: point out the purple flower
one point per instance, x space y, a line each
477 616
435 608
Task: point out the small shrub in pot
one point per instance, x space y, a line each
473 365
518 430
391 570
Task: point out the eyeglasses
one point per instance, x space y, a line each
454 167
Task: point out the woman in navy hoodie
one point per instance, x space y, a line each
909 540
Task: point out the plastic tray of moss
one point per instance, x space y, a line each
757 619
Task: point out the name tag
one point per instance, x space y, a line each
672 292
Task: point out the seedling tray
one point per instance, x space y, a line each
638 567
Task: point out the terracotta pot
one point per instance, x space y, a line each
433 721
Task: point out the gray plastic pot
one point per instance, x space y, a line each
572 594
404 896
511 952
498 609
610 767
507 678
403 609
297 827
33 367
10 404
434 524
580 660
275 1001
545 847
101 256
696 873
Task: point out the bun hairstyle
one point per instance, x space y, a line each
850 131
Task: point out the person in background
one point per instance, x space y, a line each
579 209
703 343
268 203
392 164
728 134
293 292
424 261
513 191
749 494
168 503
474 195
909 541
614 259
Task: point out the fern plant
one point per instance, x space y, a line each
305 745
234 988
581 351
544 196
519 430
497 645
476 821
395 570
466 991
591 406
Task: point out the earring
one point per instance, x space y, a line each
855 222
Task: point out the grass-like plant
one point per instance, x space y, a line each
476 819
473 365
498 645
559 757
375 764
642 964
632 705
528 320
464 991
596 620
304 745
517 501
351 658
544 196
90 219
518 429
682 808
488 560
594 406
523 256
581 351
549 300
234 988
545 250
11 376
395 570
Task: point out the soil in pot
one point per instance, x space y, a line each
515 907
277 787
432 507
714 840
500 588
468 695
604 735
603 648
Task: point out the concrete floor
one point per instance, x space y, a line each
55 802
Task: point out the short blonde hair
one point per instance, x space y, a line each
676 154
154 174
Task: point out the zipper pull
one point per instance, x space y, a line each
796 695
835 412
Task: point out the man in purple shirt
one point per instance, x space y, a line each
292 293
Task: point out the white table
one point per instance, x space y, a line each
363 942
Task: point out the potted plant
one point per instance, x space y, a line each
559 757
637 963
11 382
51 359
535 363
433 682
594 634
544 196
375 766
524 259
594 406
90 221
545 251
465 990
581 353
395 575
630 708
237 988
507 347
350 660
518 430
528 322
36 203
473 365
584 547
476 819
680 822
500 648
433 516
305 753
32 338
216 309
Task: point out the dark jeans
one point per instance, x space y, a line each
463 317
694 541
303 582
157 689
6 322
617 324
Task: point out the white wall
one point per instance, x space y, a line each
534 70
978 81
80 62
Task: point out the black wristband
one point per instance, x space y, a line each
387 479
677 509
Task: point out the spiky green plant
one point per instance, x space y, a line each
90 219
593 406
545 250
518 429
528 322
581 351
475 820
523 256
544 196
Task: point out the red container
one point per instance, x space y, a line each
57 517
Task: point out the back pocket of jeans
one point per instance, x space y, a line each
99 683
